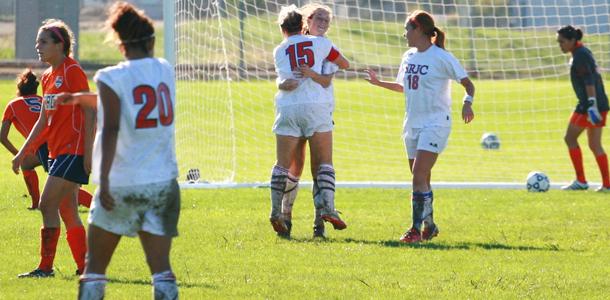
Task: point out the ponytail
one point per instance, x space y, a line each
439 39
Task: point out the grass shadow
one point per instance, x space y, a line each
181 284
434 245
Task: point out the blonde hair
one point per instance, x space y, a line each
310 9
60 33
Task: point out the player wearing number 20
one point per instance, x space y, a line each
303 112
425 76
134 157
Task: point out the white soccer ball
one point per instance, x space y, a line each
490 141
537 182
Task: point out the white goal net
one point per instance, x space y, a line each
226 87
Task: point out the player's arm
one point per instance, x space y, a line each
323 80
584 69
288 84
110 131
84 99
27 145
4 130
390 85
467 112
337 58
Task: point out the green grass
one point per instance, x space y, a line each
494 244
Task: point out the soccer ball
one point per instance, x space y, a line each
490 141
537 182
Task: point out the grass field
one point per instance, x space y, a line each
494 244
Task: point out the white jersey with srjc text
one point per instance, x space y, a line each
145 149
297 50
426 80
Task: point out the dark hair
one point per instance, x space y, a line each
420 18
27 83
291 20
133 28
60 32
570 32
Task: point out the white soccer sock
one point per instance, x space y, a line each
92 286
164 286
290 195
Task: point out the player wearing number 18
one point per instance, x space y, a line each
425 76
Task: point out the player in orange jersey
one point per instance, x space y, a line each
69 133
23 112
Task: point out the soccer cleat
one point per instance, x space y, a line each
33 208
429 232
278 225
318 231
576 186
333 218
411 237
286 234
603 189
38 273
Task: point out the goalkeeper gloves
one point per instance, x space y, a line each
593 115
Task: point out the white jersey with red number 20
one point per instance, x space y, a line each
297 50
426 80
145 150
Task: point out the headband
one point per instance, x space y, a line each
138 40
57 33
414 21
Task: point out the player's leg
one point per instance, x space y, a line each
157 250
321 145
102 243
285 148
594 136
54 191
159 227
75 231
571 139
292 185
430 142
31 178
318 222
84 198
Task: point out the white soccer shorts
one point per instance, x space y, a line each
303 120
153 208
433 139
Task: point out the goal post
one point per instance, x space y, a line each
225 86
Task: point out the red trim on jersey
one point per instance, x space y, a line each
333 55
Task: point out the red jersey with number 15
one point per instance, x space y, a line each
65 123
23 113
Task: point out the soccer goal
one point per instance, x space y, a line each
224 66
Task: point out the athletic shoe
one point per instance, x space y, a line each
318 231
38 273
333 218
286 235
576 186
411 237
603 189
278 225
429 232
